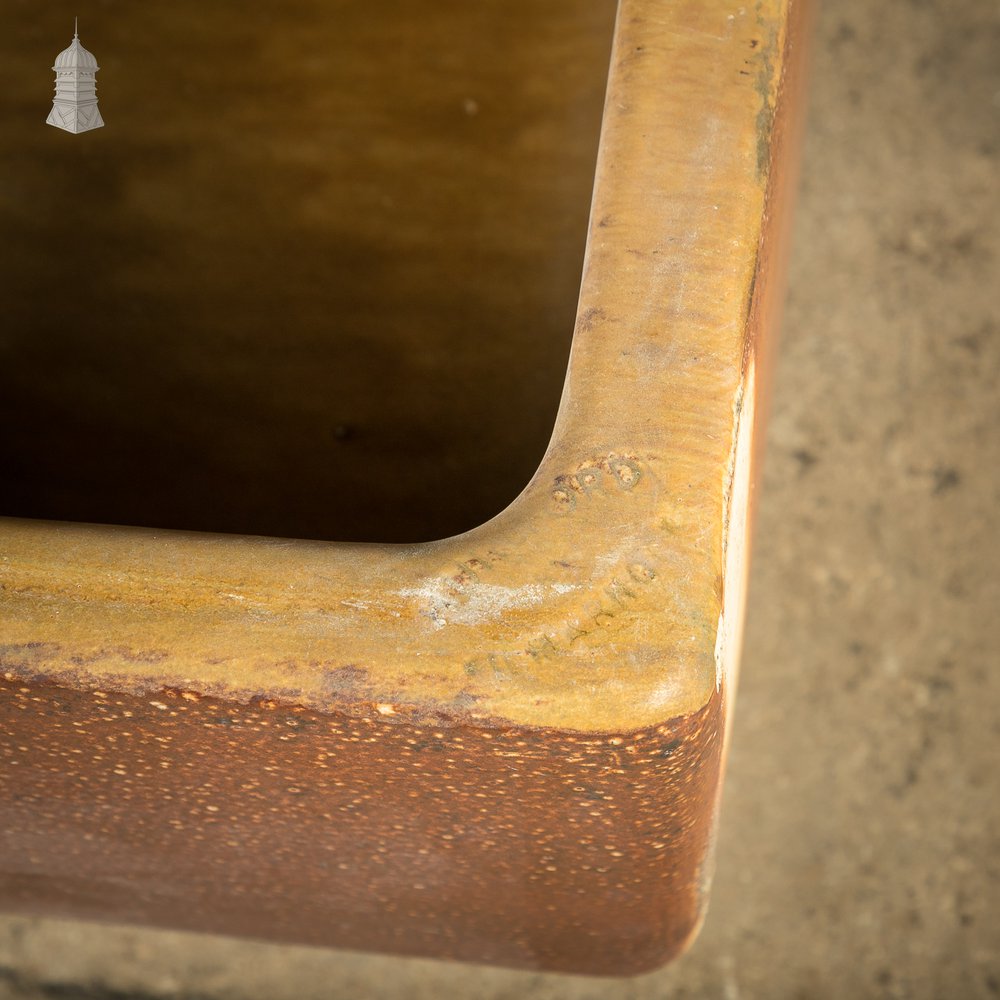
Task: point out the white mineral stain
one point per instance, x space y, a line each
477 602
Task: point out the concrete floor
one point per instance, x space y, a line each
859 852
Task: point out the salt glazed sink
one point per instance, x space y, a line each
317 279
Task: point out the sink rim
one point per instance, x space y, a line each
526 617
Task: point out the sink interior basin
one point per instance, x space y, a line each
317 276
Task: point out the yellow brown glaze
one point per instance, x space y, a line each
503 746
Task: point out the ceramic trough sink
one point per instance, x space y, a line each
367 581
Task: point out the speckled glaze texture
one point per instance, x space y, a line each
504 746
536 848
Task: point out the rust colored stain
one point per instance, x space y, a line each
536 848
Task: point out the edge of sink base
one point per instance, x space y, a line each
537 849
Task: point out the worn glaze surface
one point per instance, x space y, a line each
353 705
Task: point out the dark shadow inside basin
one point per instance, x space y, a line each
316 277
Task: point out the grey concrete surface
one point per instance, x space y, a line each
859 851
